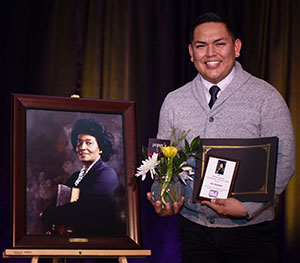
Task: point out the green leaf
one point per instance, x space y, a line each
195 144
176 162
145 151
178 171
187 146
182 155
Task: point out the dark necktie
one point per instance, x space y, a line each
213 92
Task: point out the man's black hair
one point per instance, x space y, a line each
212 17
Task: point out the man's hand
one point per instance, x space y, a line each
168 211
230 207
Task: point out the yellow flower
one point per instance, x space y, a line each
169 151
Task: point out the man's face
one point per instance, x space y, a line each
213 51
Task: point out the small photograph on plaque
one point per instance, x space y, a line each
220 167
218 178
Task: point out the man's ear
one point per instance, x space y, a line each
191 52
237 47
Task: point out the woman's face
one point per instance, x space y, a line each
87 148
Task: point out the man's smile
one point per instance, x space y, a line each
212 63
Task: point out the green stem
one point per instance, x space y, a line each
171 197
167 181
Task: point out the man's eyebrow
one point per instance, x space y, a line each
204 42
220 39
199 42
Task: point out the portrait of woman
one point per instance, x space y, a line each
94 213
220 167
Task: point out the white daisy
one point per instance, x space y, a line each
148 165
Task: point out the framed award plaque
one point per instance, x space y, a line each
253 170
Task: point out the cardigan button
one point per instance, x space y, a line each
211 220
211 119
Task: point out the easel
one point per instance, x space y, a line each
56 254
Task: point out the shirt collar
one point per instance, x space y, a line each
222 84
83 172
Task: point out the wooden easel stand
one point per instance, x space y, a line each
35 254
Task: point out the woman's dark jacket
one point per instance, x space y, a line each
94 212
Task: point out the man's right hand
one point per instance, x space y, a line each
168 210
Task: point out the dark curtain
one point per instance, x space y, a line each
137 50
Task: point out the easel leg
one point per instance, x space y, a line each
122 260
34 259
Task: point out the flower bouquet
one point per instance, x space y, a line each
166 166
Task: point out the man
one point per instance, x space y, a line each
242 106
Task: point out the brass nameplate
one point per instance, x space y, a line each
78 240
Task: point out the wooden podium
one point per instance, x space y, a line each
35 254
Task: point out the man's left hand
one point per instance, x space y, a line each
230 207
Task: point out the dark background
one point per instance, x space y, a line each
137 50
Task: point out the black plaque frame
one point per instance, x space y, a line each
255 179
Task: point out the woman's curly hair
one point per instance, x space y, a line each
91 127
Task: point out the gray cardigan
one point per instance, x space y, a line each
248 108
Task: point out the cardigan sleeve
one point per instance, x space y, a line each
165 120
276 121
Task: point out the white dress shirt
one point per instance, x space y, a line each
222 84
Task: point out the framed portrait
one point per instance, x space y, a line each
72 160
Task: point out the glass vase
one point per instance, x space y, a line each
172 193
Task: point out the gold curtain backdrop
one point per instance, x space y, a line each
271 51
137 50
